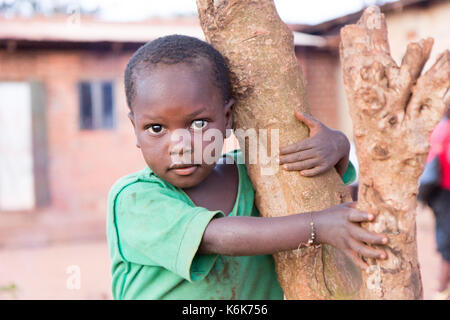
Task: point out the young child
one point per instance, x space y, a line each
191 230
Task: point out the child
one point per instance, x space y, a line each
191 230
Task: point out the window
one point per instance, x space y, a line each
96 105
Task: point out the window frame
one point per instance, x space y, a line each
97 100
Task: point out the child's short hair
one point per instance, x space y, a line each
175 49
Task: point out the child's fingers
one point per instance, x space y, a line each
314 171
355 215
356 259
364 235
298 156
296 147
302 165
365 250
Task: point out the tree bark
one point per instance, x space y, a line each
393 112
268 87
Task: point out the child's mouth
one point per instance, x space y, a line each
184 170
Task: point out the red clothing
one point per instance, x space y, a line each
440 145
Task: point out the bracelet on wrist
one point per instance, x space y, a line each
312 238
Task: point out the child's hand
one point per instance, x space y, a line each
318 153
339 226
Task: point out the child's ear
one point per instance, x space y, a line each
228 109
131 117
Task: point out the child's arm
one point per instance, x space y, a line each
337 226
324 149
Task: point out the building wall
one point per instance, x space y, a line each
320 70
82 164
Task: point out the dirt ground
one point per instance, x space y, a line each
82 270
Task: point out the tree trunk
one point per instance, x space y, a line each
268 86
393 111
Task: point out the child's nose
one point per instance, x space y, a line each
180 143
179 150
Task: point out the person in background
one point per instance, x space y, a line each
440 201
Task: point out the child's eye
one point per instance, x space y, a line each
155 128
198 124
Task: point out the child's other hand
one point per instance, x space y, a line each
320 152
339 226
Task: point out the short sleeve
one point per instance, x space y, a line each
156 226
350 174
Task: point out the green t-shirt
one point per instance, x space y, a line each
154 231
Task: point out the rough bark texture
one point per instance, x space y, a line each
393 111
268 86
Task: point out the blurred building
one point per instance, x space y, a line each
64 132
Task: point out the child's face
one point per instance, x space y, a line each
173 97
